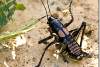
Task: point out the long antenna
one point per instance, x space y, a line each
45 9
49 8
70 9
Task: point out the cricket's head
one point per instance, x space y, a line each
50 19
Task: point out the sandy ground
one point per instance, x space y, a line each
28 55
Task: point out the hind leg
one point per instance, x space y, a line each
75 33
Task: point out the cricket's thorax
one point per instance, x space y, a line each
58 27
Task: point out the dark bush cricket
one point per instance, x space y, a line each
64 37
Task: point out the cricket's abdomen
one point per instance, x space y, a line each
73 48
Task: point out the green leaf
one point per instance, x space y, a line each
7 8
20 6
23 29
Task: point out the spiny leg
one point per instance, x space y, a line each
71 31
72 19
75 33
45 39
84 53
84 27
44 53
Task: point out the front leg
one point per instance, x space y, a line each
45 39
